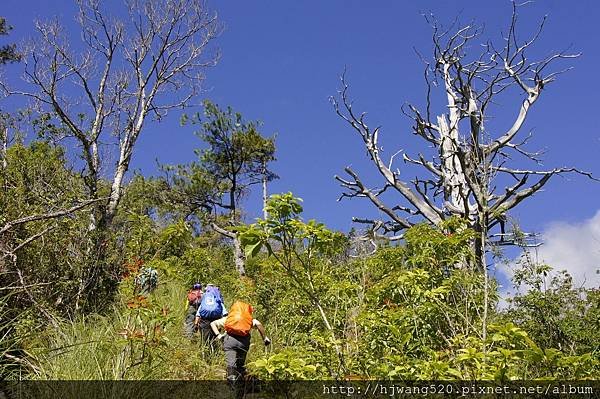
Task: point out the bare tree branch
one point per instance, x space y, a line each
146 63
49 215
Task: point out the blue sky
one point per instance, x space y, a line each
281 61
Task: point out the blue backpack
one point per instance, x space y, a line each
211 306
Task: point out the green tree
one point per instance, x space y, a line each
301 248
42 238
8 52
553 311
40 230
213 186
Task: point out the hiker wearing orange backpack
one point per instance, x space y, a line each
236 339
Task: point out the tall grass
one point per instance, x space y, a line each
94 347
15 361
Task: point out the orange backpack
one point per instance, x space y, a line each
239 319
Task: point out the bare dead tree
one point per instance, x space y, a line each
466 176
131 69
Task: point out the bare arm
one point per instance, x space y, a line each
197 318
214 325
261 330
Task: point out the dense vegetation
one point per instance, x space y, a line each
403 312
73 245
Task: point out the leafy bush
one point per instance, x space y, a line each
285 365
409 311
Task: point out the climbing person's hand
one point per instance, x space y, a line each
267 341
220 337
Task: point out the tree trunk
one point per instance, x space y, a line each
455 184
115 193
3 146
238 256
486 299
127 145
238 252
481 242
264 190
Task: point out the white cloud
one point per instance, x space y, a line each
574 247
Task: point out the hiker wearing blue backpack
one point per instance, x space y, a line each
211 308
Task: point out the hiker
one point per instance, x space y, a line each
146 281
236 340
211 308
194 297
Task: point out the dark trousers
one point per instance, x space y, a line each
189 320
207 333
236 348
